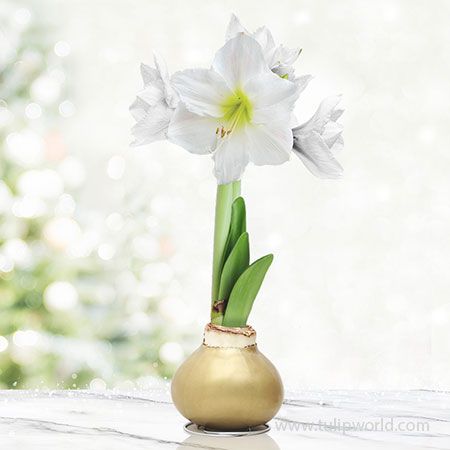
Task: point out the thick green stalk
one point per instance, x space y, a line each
226 193
236 189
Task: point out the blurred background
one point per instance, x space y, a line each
105 251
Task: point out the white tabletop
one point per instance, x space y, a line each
308 420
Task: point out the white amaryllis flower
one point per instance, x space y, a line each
238 110
317 140
280 59
154 105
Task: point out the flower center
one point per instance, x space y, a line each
237 111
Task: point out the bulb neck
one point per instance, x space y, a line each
229 337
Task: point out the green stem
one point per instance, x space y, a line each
226 193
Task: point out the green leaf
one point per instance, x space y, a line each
237 226
244 293
234 266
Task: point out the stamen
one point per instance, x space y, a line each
237 112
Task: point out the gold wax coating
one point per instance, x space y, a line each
227 388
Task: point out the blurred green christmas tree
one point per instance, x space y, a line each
81 296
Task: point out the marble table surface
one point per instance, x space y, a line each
308 420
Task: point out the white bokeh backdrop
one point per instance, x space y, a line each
359 292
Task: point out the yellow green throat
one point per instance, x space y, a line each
237 111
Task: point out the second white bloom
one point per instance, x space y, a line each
238 110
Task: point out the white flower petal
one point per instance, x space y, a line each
153 126
149 74
325 112
279 59
287 56
286 72
336 114
234 27
201 90
316 140
138 109
239 60
293 121
331 133
152 94
270 143
265 39
338 145
316 156
169 94
196 134
231 158
272 97
302 82
154 105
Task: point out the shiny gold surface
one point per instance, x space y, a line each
227 388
